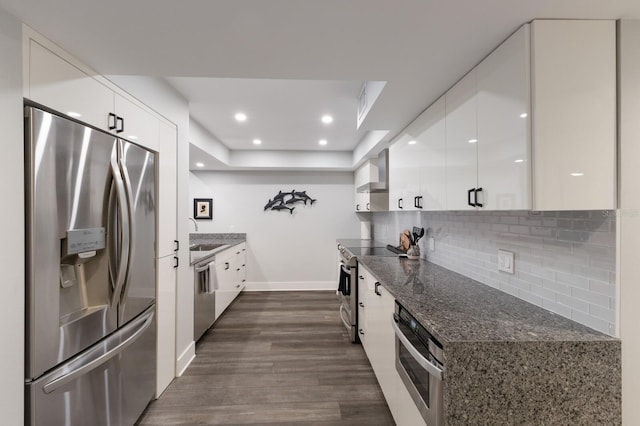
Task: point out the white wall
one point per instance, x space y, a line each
285 251
12 219
629 216
158 95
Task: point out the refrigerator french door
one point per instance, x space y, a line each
91 281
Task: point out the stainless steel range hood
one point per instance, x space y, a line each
382 185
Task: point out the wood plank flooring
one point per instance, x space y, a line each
278 358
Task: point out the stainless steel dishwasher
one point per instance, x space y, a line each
204 297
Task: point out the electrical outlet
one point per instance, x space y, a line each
432 243
505 261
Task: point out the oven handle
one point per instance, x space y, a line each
424 363
346 324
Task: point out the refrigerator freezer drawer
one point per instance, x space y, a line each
109 384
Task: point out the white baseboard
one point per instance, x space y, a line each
291 286
185 358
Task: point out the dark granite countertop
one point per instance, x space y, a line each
455 308
228 240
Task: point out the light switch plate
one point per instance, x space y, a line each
505 261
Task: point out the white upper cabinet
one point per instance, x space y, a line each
574 114
167 189
366 201
57 84
417 163
136 124
462 142
503 106
433 147
533 126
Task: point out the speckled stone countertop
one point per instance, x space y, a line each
229 240
506 361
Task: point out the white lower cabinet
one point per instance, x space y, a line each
380 347
230 275
166 322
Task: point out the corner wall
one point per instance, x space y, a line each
12 219
629 214
285 251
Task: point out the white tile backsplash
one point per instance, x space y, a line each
564 261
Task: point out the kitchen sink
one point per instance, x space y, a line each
205 247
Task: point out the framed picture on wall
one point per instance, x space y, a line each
202 208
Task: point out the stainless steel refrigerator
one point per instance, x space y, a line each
91 275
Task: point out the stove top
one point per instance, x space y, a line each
371 251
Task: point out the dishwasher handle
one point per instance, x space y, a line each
431 368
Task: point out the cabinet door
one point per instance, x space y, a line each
462 138
503 125
166 322
360 202
57 84
432 143
138 125
404 173
574 110
167 189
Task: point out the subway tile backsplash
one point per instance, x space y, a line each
564 261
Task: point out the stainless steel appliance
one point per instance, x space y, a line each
420 364
348 279
204 298
91 275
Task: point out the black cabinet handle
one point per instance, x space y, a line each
416 202
112 121
177 245
361 332
120 121
400 203
368 206
177 261
361 304
237 285
469 197
361 277
375 290
475 197
226 265
358 207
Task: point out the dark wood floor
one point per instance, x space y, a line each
279 358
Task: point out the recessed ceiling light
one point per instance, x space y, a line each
523 115
326 119
519 160
473 140
199 164
257 141
412 142
322 142
240 117
74 114
577 174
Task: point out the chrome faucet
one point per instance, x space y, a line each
194 223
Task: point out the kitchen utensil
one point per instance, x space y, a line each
405 241
417 234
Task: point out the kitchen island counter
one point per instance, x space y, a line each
506 360
227 241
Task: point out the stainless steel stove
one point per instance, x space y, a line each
348 278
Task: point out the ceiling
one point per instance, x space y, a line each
286 62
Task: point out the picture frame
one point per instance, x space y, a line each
203 208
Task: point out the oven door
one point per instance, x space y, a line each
419 373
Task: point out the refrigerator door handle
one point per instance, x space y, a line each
124 221
130 222
145 319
